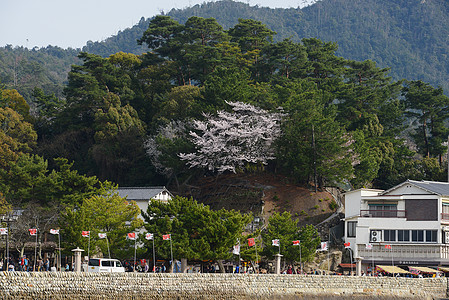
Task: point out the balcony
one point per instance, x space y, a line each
445 217
369 213
404 252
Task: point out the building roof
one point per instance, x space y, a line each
434 187
141 193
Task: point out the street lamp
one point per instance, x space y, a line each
8 218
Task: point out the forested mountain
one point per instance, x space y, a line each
410 37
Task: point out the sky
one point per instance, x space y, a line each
71 23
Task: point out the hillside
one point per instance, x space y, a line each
263 194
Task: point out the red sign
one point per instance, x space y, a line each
33 231
387 246
166 237
251 242
347 245
296 243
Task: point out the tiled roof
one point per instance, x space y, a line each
141 193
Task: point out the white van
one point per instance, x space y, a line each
105 265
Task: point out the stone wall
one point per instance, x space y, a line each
68 285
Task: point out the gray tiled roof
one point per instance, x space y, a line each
140 193
440 188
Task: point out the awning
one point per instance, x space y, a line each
444 269
347 266
423 269
392 269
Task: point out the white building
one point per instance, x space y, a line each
144 195
407 225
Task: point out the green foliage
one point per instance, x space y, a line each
284 228
333 205
107 213
197 232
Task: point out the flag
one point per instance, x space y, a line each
275 243
251 242
388 246
347 245
54 231
85 233
369 246
102 235
132 235
149 236
33 231
296 243
3 231
323 246
236 249
166 237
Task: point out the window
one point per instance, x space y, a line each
389 235
383 210
445 208
351 229
431 236
94 262
417 235
107 263
403 235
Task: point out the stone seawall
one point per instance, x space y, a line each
68 285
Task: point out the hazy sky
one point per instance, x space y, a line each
71 23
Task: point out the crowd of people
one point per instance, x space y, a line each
25 264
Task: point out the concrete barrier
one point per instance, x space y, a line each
68 285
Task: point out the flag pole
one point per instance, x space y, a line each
107 243
392 261
35 252
171 251
135 249
240 268
154 258
88 249
257 257
300 258
59 240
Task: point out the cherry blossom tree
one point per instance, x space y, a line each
233 140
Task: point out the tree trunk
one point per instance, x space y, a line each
221 266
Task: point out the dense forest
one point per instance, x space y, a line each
185 109
202 101
410 37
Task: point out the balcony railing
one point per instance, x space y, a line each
369 213
445 217
404 252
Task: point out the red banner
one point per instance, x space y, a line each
251 242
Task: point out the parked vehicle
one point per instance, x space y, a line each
105 265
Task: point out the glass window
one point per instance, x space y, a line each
94 262
118 264
383 210
403 235
389 235
431 236
351 229
417 235
107 263
445 208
